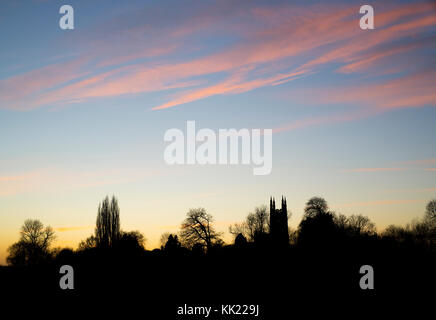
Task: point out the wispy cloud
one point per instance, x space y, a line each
419 162
407 166
410 90
422 190
233 85
271 45
321 120
374 169
391 26
376 203
72 228
55 179
15 178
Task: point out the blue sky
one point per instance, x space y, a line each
83 112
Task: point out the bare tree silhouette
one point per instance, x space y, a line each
34 244
430 210
354 224
255 225
88 243
197 228
107 230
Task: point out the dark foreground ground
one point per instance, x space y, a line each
154 284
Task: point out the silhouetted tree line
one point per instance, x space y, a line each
320 259
320 228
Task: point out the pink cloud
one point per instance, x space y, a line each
57 179
11 178
276 44
375 59
420 162
374 169
352 49
429 189
231 86
377 203
410 90
72 228
277 48
321 120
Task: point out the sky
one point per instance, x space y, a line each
83 112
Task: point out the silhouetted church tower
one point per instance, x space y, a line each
278 227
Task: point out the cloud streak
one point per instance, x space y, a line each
72 228
377 203
58 179
270 45
374 169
